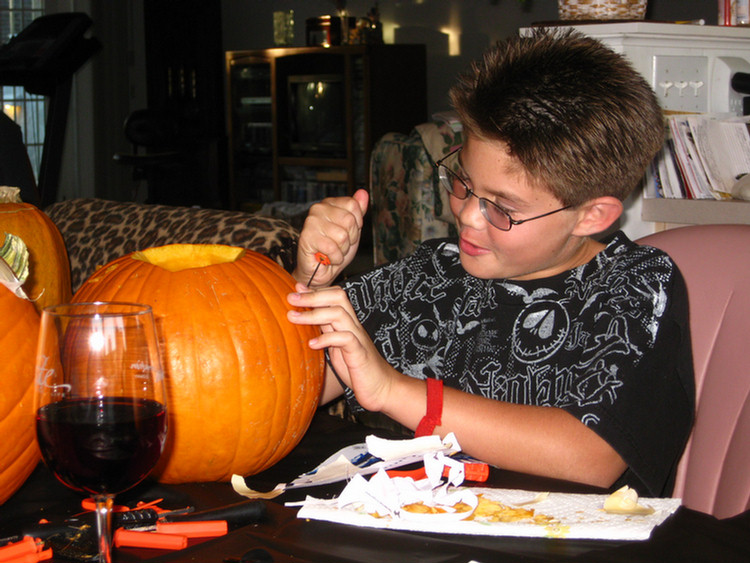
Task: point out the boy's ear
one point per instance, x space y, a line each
597 215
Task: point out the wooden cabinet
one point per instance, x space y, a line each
302 121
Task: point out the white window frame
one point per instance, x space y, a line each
27 110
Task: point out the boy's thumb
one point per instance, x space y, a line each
363 198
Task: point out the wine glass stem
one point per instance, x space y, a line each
104 505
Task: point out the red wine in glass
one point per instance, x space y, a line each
101 445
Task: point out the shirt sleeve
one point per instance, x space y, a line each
648 418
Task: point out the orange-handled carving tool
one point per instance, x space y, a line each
472 472
322 259
200 529
150 540
14 550
35 557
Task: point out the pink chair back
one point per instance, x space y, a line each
714 472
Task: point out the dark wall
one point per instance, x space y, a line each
113 84
473 25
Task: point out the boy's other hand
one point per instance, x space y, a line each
332 227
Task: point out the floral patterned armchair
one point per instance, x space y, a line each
407 203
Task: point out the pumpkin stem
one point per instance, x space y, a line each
10 195
176 257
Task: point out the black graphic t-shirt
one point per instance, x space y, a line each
607 341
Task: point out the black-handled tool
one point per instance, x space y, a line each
236 515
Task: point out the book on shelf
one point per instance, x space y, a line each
702 157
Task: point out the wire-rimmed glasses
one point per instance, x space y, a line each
455 185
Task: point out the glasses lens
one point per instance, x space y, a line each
494 215
452 182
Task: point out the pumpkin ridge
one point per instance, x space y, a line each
203 391
304 333
25 436
300 381
157 278
244 398
271 330
263 317
19 471
232 402
229 364
138 275
290 411
183 310
18 451
241 362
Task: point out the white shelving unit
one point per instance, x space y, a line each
704 57
698 212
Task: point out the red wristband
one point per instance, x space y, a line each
434 414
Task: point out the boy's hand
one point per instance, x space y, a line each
333 227
353 354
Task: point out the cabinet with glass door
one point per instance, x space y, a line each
303 121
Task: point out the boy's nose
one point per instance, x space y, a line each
469 213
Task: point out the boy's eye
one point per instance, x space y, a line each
507 210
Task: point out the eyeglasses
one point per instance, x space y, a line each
495 215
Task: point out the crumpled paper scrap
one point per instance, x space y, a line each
241 488
343 464
386 496
388 450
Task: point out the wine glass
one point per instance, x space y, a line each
100 400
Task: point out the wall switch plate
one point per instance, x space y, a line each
681 83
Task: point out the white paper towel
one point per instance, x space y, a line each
574 515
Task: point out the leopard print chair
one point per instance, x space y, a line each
97 231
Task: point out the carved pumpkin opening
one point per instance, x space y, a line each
178 257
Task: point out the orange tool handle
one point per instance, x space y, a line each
201 529
31 557
18 549
472 472
322 258
149 540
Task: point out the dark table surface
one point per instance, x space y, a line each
686 536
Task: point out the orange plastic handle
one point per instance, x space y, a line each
199 529
472 472
322 258
16 550
149 540
31 557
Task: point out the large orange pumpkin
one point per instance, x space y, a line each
49 269
242 383
19 326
